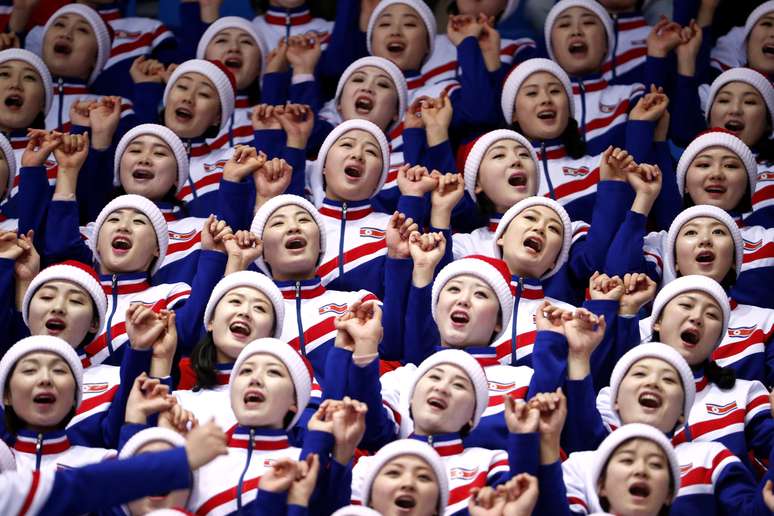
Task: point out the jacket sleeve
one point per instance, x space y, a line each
65 243
625 254
420 334
364 386
583 429
549 362
397 283
475 101
552 498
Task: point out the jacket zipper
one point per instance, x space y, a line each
188 147
514 318
546 173
583 109
615 46
240 485
114 297
61 104
301 340
38 451
341 240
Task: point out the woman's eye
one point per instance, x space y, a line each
160 154
77 301
499 155
690 232
204 95
530 218
482 294
669 380
371 152
434 376
554 229
685 305
181 87
234 302
531 94
83 30
245 371
275 372
453 290
384 84
424 478
112 219
260 309
719 232
357 80
139 222
459 385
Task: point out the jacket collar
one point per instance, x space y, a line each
262 438
310 288
444 444
125 283
52 442
354 209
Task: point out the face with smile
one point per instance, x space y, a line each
760 45
240 53
41 390
717 177
126 242
443 401
262 392
579 41
636 480
70 47
651 392
406 485
691 323
704 246
400 36
21 95
467 312
507 174
370 94
193 106
291 243
542 108
532 241
241 316
167 500
148 167
739 108
353 167
62 309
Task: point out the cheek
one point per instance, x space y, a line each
214 52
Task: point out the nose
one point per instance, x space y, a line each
44 376
357 153
407 481
640 468
695 316
256 379
58 305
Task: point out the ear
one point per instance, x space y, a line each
657 326
477 189
500 242
498 327
94 326
7 398
209 326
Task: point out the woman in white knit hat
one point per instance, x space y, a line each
30 98
243 306
41 383
580 37
693 314
650 384
76 45
746 45
234 41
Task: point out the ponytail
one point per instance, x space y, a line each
723 377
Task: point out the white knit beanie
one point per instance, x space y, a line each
464 361
146 207
275 203
232 22
7 460
513 211
422 9
660 351
756 15
591 5
476 155
82 275
692 283
387 67
485 272
355 510
316 177
635 431
42 343
10 157
299 372
172 140
223 82
748 76
250 279
19 54
150 435
407 447
717 139
700 210
100 28
519 74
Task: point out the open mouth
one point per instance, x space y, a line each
734 125
14 101
768 49
437 403
705 257
548 114
46 398
240 329
517 179
459 317
363 105
650 400
353 171
715 190
534 243
578 48
63 48
121 243
296 242
690 336
142 174
639 490
253 397
184 114
405 502
396 47
233 62
55 325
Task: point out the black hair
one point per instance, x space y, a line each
14 423
203 360
571 138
